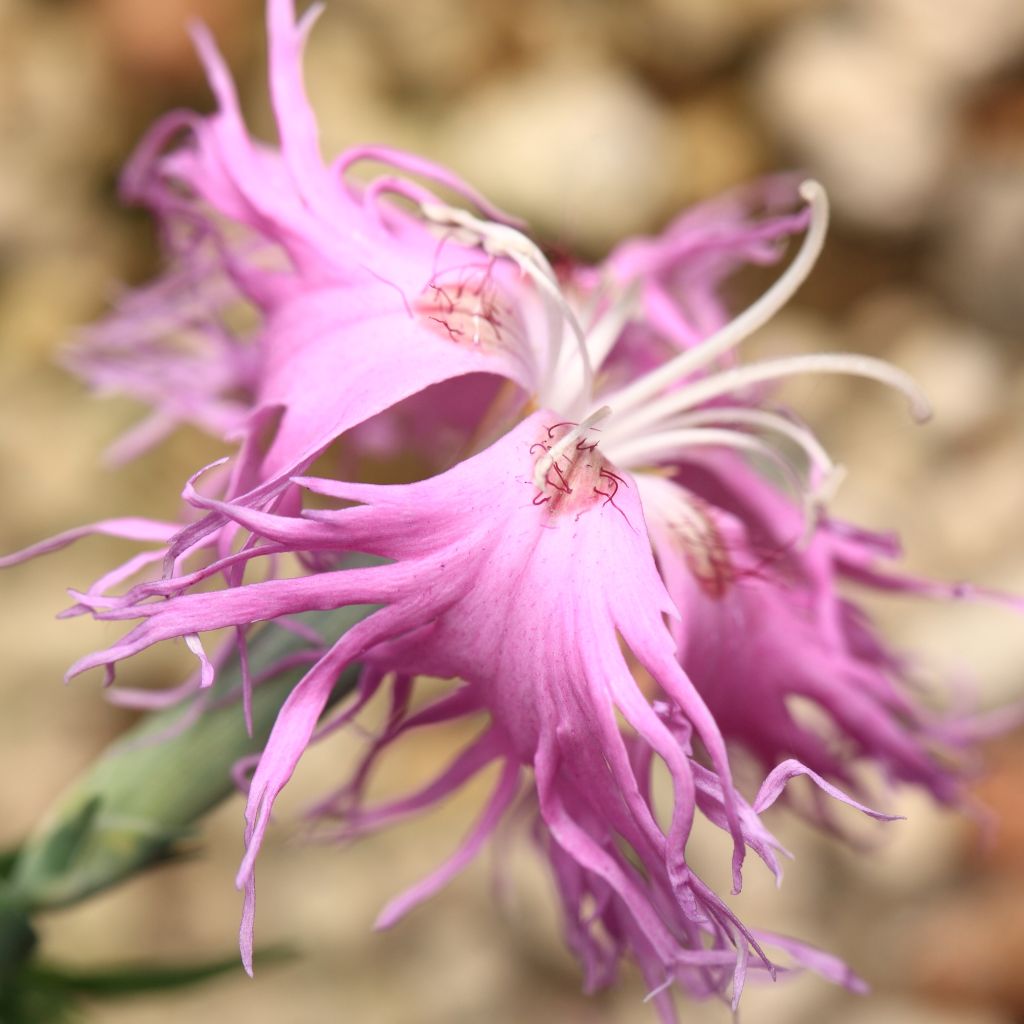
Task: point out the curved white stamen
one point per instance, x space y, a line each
668 445
753 317
502 240
607 328
736 379
564 444
567 391
821 462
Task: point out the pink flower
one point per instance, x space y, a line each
526 570
525 593
735 563
604 519
169 345
346 287
343 284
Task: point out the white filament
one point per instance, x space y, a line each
827 472
504 241
737 331
570 392
729 381
665 411
762 419
655 447
666 445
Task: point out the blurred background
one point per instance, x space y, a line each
592 119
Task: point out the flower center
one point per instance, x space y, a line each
464 306
570 474
704 549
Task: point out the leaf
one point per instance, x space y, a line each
28 1003
140 979
17 939
7 859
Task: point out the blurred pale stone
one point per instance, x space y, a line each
681 40
51 70
912 857
539 31
881 1009
961 368
150 41
39 314
980 252
716 144
962 40
767 11
869 122
432 46
871 99
578 148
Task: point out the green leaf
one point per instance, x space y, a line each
136 979
7 860
39 994
30 1003
17 940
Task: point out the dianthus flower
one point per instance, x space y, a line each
603 568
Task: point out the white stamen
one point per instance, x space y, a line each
738 330
566 391
504 241
827 472
668 445
658 989
736 379
560 447
607 329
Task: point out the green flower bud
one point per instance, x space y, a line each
147 790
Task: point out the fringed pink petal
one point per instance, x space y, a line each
773 786
468 763
501 799
128 528
288 739
824 964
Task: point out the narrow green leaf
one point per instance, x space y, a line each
7 860
29 1003
136 979
17 940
